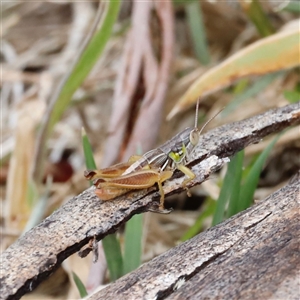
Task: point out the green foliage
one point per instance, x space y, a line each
80 286
259 18
294 95
239 185
195 21
32 195
292 6
251 180
113 255
61 98
88 152
133 243
236 167
230 187
237 190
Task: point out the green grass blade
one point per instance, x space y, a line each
133 244
197 30
80 286
294 95
259 18
292 6
251 180
241 86
113 254
88 152
209 209
86 61
237 165
224 196
111 245
291 96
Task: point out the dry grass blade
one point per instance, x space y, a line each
21 199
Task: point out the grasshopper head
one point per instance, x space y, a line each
185 143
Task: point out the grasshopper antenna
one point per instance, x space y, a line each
208 119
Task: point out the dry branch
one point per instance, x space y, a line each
39 252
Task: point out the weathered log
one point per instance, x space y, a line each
39 252
253 255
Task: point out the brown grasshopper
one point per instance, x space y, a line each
155 166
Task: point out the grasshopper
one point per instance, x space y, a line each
154 167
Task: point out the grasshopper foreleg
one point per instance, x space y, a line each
189 173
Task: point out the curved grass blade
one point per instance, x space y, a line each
88 152
113 255
86 62
195 20
237 165
251 180
259 18
225 193
80 286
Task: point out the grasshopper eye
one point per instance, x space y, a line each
194 137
